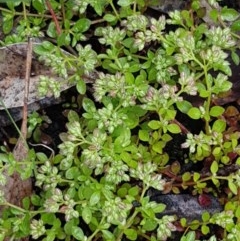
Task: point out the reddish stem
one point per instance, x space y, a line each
49 6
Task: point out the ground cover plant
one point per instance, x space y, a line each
146 75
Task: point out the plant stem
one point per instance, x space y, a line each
131 219
114 9
28 14
15 207
97 230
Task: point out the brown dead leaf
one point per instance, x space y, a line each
12 75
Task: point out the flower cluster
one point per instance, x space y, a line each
37 228
109 118
152 101
223 219
56 61
163 65
214 55
87 58
175 18
48 176
93 159
152 34
110 36
220 37
48 86
201 144
135 23
146 173
80 6
116 211
117 172
188 83
61 203
234 234
165 227
117 86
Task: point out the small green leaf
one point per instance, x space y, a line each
38 5
190 236
73 116
124 3
81 87
122 192
234 55
7 23
51 30
77 233
107 235
186 176
50 235
173 128
88 105
149 225
159 208
134 191
229 14
87 215
237 213
194 113
175 167
194 225
143 135
42 157
131 234
205 229
233 187
183 222
98 6
214 167
72 173
217 151
109 17
184 106
63 39
154 124
205 216
238 161
36 200
127 158
81 25
68 226
158 147
196 176
26 203
219 126
48 218
201 185
215 181
214 15
216 111
95 198
236 26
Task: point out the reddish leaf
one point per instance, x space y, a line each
204 200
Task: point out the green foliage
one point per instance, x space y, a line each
114 151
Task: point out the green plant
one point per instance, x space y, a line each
96 187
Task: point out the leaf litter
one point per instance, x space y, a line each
12 76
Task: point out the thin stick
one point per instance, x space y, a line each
26 90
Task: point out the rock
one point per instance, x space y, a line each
185 205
